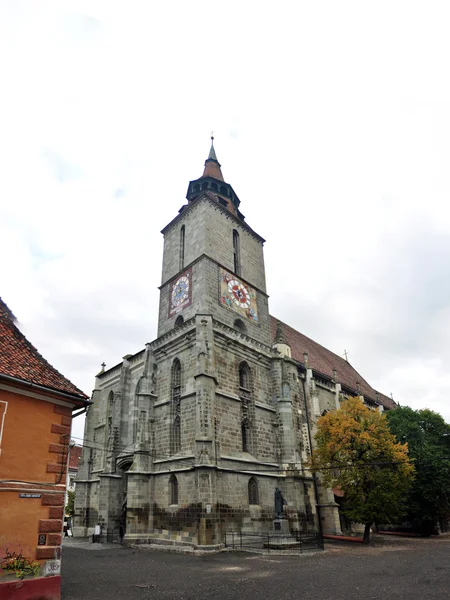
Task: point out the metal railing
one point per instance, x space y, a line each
295 543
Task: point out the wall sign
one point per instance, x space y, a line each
52 567
42 539
30 495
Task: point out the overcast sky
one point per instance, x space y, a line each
332 124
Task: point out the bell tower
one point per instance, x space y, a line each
213 262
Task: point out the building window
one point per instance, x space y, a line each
245 431
244 376
177 434
173 490
239 325
176 407
179 321
182 240
253 491
246 406
236 253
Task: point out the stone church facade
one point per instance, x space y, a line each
191 436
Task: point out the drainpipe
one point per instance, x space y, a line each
316 491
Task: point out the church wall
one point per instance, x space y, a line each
219 245
194 242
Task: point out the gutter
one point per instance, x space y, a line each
36 386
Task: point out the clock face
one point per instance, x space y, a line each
180 292
239 293
237 296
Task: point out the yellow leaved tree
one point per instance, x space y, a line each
356 452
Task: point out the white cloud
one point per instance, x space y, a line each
332 125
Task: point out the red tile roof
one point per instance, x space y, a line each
74 457
20 359
323 361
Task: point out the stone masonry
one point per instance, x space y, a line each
189 437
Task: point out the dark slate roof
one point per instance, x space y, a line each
20 359
323 362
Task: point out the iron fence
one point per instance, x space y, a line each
295 543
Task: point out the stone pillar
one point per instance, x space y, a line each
81 528
205 384
110 501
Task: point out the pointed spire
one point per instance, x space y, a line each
212 151
280 338
212 166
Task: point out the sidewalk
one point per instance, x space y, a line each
86 544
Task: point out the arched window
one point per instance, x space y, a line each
175 437
177 434
182 236
173 490
245 431
179 321
253 491
244 376
239 325
236 253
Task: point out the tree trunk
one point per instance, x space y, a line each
366 538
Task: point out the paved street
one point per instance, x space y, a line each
407 569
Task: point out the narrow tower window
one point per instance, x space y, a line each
176 407
173 490
244 376
182 236
246 406
236 253
245 432
253 491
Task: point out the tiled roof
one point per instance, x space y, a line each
323 361
20 359
74 457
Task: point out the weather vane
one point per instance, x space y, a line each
212 135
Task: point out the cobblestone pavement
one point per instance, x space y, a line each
402 570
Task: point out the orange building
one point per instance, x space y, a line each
36 408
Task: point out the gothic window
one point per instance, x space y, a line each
176 408
246 408
182 240
177 434
236 253
244 376
179 321
245 431
173 490
253 491
239 325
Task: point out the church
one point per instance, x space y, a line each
191 437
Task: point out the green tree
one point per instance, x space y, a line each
357 453
70 506
428 438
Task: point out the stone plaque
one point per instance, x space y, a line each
52 567
42 539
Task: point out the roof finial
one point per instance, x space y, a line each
212 137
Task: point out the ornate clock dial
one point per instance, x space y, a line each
180 291
239 293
